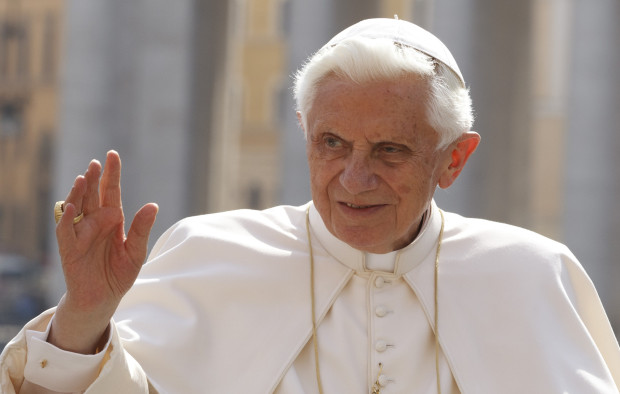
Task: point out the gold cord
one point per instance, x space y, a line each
316 343
440 238
376 386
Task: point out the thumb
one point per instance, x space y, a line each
137 240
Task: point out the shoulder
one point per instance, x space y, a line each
280 218
494 235
509 261
500 244
241 227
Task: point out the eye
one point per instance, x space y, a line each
390 149
393 153
332 142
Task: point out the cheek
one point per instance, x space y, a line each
320 176
403 181
413 185
404 190
322 171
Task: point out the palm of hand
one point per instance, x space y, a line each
99 262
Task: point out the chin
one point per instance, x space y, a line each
366 242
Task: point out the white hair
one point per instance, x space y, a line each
360 60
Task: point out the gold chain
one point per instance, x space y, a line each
376 387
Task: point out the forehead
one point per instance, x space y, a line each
383 106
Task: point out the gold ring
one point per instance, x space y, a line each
79 217
59 209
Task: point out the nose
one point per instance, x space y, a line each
358 175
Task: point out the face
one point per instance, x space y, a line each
373 162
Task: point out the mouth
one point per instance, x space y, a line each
361 208
360 212
358 206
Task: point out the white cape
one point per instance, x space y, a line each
223 306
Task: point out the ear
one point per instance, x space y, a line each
459 151
301 122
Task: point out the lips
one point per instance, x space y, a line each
357 206
360 213
360 207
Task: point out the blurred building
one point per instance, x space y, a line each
240 164
30 44
195 95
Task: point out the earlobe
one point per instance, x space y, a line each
461 150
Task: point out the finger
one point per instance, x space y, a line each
76 193
110 187
136 244
65 234
90 202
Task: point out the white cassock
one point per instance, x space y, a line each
223 306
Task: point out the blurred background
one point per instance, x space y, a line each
196 97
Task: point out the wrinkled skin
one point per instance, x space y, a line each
99 261
373 161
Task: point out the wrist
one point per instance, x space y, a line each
78 331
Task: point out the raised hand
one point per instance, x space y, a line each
99 262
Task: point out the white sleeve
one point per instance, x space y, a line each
115 372
56 369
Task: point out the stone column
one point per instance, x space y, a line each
125 87
592 188
550 51
211 98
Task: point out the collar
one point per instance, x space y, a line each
407 258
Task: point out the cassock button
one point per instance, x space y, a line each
381 346
381 311
379 282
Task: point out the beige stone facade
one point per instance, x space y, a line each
30 42
244 171
548 118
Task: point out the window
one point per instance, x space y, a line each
13 48
11 115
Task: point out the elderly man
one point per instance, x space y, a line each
369 288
